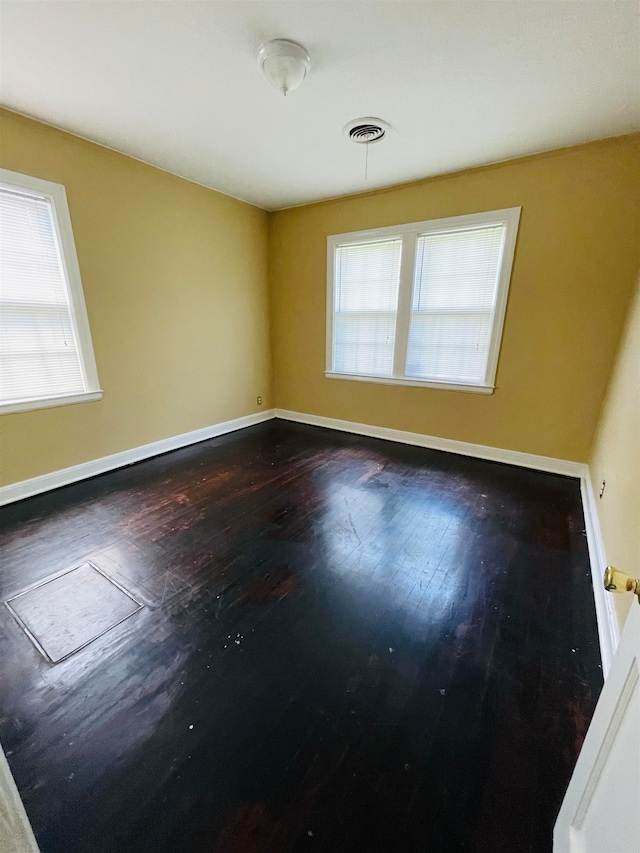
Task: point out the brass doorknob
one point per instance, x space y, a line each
617 581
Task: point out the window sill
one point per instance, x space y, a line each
49 402
414 383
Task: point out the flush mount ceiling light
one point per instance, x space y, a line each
284 63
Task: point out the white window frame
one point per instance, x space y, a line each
56 194
409 232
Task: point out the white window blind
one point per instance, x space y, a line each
40 353
422 303
366 301
454 293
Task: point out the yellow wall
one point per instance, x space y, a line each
616 459
574 271
174 279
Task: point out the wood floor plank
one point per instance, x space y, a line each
346 645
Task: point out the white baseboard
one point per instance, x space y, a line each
65 476
608 628
449 445
608 631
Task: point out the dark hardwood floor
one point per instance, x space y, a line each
346 645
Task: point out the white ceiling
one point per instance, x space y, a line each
462 83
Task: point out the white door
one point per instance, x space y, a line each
16 835
601 809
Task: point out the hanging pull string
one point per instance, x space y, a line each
366 160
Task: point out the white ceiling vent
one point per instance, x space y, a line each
366 130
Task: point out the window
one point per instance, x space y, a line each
46 356
421 304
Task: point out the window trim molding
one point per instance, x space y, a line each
415 383
49 402
61 216
509 217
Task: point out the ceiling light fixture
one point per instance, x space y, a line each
284 63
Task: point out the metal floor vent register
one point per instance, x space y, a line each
66 612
